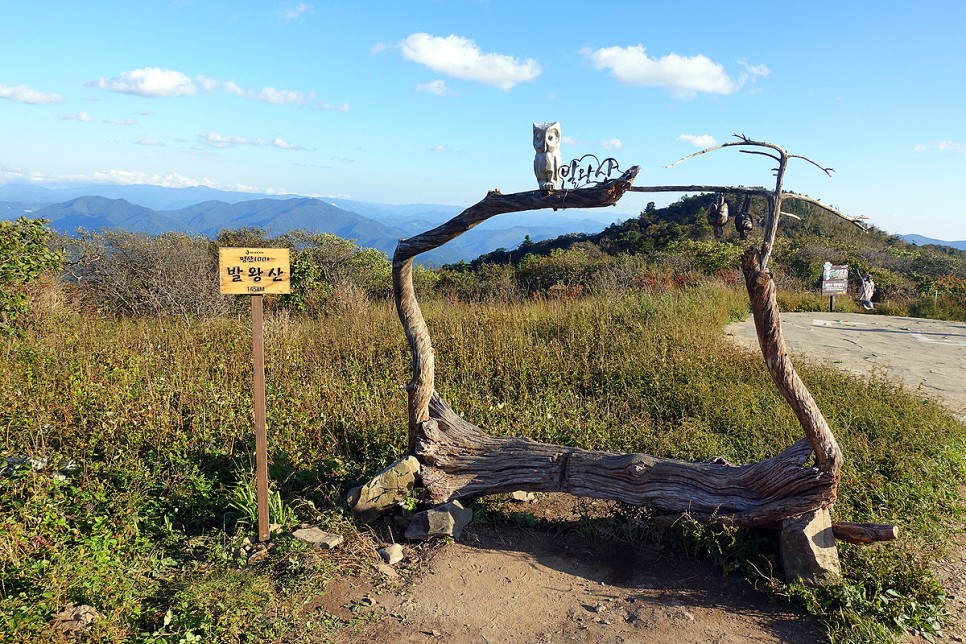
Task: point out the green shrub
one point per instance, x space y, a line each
24 256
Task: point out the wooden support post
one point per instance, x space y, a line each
261 440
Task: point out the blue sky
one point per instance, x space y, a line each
406 102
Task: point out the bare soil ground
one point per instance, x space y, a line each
518 584
515 584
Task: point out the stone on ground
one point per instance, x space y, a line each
320 538
74 620
447 520
392 554
808 549
386 489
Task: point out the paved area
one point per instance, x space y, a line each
928 355
924 355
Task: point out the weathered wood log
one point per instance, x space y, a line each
864 533
459 460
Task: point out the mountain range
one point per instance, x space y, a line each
200 210
204 211
919 240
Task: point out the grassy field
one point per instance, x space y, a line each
145 428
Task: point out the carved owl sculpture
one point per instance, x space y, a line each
547 162
743 221
718 215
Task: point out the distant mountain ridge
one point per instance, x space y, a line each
919 240
204 211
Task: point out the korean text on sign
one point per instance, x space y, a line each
254 271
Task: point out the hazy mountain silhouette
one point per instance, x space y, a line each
919 240
205 211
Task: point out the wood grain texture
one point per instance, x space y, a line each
459 460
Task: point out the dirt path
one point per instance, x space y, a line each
516 585
513 584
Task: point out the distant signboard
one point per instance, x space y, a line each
254 271
835 279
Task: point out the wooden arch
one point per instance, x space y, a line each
457 459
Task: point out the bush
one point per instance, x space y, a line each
124 273
24 256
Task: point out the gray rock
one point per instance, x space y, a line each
447 520
808 549
320 538
75 619
387 571
260 552
386 489
391 554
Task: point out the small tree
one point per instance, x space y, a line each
173 274
24 256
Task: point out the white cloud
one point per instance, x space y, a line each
698 140
684 76
377 49
114 121
151 82
753 72
131 177
437 87
134 177
208 84
221 141
24 94
288 14
217 140
285 145
568 140
267 94
83 116
150 142
952 146
335 108
280 96
461 58
611 144
440 148
233 88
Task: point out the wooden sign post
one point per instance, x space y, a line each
255 272
835 281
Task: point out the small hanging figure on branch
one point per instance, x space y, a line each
547 162
743 222
718 215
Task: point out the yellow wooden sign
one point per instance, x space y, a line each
254 271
